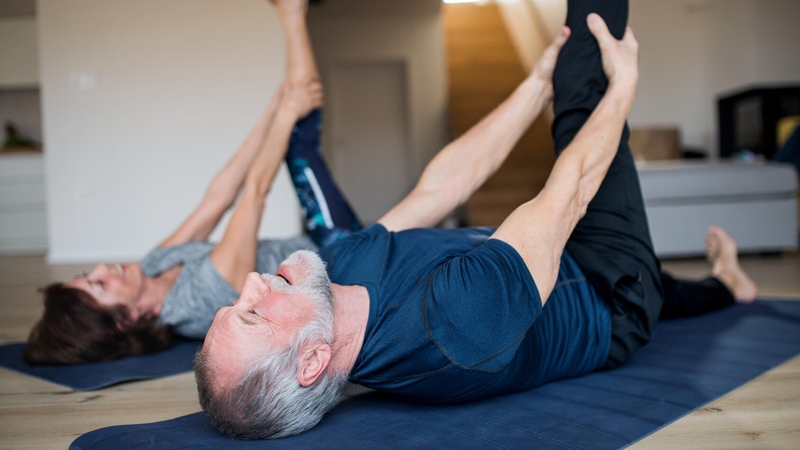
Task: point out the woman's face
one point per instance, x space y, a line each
111 285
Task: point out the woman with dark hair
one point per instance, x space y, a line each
127 309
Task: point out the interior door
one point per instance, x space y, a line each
365 137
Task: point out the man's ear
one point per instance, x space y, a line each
314 359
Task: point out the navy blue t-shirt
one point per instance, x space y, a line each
456 316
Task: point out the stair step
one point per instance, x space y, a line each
483 70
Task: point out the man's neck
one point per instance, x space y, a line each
350 316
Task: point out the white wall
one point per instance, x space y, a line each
776 37
553 14
673 67
532 25
692 51
143 101
526 29
18 55
410 31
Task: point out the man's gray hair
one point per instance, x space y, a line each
269 401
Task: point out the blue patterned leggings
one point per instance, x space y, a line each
328 216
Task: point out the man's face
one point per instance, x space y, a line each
271 310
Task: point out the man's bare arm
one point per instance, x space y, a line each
539 229
464 165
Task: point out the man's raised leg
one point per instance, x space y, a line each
612 241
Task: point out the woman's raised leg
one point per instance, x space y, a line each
328 216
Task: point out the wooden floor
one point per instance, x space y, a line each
764 413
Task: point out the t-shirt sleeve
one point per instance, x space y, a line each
195 298
157 261
478 306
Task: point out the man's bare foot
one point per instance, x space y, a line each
723 255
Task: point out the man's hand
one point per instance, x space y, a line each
301 99
620 57
547 63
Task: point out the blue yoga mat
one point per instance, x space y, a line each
87 377
688 363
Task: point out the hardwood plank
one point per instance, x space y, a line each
764 413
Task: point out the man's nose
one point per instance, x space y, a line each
254 286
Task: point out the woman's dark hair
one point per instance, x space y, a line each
76 329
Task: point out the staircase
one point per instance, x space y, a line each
483 69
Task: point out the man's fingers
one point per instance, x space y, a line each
552 50
629 37
598 28
561 39
555 47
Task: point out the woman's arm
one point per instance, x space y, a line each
301 73
235 255
225 186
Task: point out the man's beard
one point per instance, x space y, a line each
316 286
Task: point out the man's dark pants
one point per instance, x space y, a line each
612 242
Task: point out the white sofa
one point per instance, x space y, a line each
755 203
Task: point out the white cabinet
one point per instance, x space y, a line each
23 220
19 54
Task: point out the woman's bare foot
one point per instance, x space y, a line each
290 6
723 255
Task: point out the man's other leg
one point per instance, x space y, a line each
612 242
686 298
728 284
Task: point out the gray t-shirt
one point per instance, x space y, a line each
200 290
